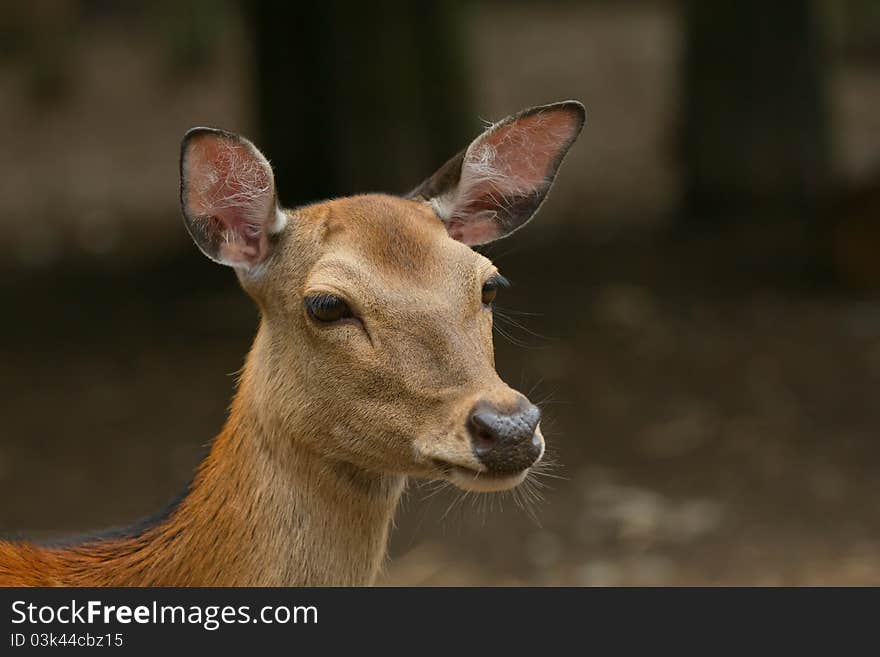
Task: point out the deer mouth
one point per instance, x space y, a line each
480 481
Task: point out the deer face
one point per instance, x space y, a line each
376 341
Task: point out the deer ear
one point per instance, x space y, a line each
227 194
497 184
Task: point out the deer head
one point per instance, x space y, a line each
375 347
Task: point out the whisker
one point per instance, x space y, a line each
527 501
522 313
550 475
522 327
535 387
437 488
511 339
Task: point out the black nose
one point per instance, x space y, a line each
505 442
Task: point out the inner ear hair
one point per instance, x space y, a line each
495 186
227 193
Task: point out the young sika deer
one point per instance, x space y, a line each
373 363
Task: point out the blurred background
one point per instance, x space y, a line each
697 305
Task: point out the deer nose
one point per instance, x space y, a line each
505 442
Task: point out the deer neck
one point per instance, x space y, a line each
265 510
283 515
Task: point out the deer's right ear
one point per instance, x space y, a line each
227 194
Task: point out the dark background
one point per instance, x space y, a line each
698 298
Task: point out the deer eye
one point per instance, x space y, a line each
327 308
490 288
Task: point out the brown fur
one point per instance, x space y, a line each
300 486
329 420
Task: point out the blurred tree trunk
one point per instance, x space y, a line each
355 97
756 120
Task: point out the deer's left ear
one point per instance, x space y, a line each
497 184
227 194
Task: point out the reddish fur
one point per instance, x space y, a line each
300 486
221 534
151 559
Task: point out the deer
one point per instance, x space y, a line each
373 363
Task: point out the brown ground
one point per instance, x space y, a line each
714 420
